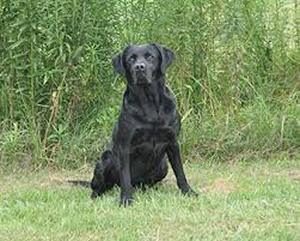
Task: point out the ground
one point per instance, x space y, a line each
238 201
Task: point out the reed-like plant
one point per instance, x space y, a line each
236 76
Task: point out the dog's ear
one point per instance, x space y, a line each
117 62
167 57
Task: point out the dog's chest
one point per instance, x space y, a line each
158 114
155 123
151 136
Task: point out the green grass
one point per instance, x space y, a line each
238 201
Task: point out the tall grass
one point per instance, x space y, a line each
236 77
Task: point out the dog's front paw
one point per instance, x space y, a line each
126 201
190 192
94 195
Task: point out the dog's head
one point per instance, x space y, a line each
143 64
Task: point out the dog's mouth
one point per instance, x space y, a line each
141 78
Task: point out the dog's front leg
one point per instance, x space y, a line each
125 179
175 160
122 136
121 153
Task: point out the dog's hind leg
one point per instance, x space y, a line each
156 175
104 175
159 173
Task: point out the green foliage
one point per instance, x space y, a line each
236 76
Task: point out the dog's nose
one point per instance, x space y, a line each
139 67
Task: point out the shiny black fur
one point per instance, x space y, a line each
145 134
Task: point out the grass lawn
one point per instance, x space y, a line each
239 201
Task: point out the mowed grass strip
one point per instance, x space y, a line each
241 201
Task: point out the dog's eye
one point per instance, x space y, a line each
149 56
132 58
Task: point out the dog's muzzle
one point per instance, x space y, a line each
140 77
140 74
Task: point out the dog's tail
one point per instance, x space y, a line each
81 183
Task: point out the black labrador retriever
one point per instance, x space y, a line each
145 134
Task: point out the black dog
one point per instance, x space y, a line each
146 131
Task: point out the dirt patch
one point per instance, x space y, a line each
220 185
53 180
64 179
42 179
290 174
294 175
